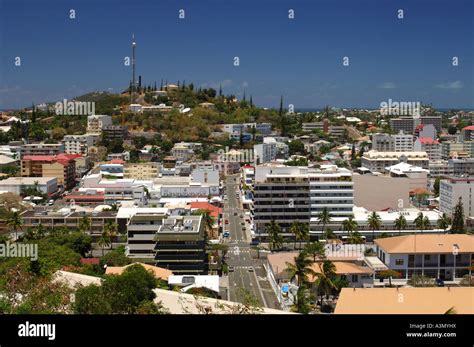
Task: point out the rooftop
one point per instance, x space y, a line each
428 243
431 300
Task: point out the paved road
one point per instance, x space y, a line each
240 255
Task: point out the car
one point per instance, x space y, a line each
439 282
231 269
255 242
251 269
51 202
226 221
226 234
235 213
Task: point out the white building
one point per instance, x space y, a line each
96 122
79 144
265 152
444 256
46 185
378 161
453 189
403 142
430 146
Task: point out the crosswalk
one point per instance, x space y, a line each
238 251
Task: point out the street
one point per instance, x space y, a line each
248 269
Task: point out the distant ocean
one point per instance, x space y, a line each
376 108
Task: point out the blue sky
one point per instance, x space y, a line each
301 59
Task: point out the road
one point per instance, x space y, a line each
240 255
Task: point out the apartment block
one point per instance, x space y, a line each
430 146
287 194
79 144
265 152
62 166
142 171
378 161
405 124
97 122
42 149
453 189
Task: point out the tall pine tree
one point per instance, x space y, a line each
457 227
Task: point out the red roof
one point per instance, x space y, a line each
428 141
61 158
91 261
117 161
469 127
419 126
214 210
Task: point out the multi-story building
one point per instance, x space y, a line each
97 122
42 149
403 142
262 128
454 189
183 151
456 150
173 242
467 133
378 161
440 168
265 152
287 194
62 166
142 171
392 143
70 218
115 132
405 124
462 167
16 185
79 144
282 149
430 146
445 256
436 121
383 143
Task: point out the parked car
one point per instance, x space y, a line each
439 282
226 234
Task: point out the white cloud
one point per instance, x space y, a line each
450 85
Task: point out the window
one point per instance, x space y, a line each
427 257
355 278
399 262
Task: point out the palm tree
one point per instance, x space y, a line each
110 228
375 223
329 234
85 224
300 230
356 238
325 278
274 235
104 240
401 223
444 222
316 250
422 222
301 269
324 217
15 222
349 225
